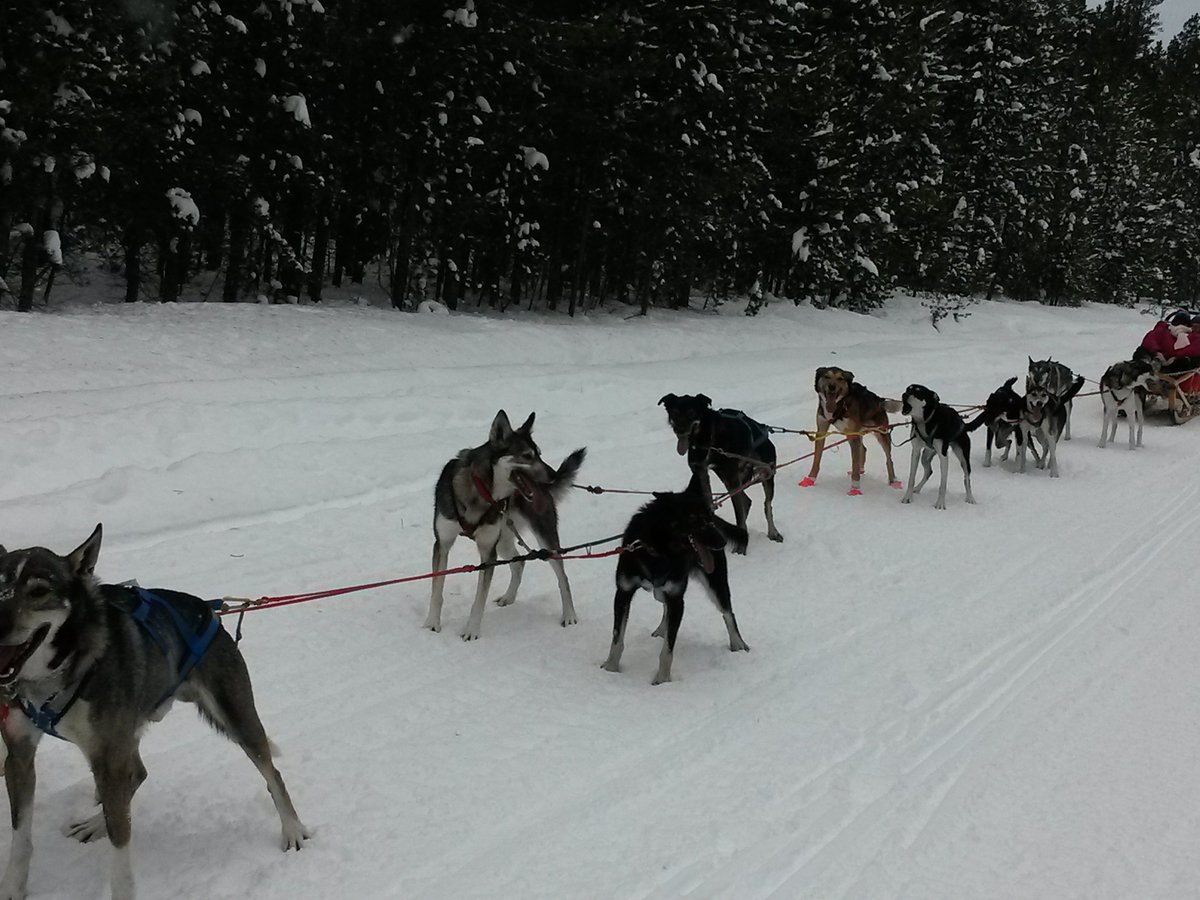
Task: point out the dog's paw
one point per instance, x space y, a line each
896 484
10 889
807 481
739 549
294 835
660 678
907 498
432 624
505 600
87 830
470 633
854 492
775 536
940 504
610 666
971 500
571 619
738 645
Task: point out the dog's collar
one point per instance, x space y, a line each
493 506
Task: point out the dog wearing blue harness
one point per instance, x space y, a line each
94 664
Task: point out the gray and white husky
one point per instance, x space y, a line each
1123 390
1056 379
1046 417
94 664
479 493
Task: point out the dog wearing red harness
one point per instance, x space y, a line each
485 493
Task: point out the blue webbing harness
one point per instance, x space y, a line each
195 642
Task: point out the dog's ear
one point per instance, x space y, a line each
934 398
83 558
849 375
1031 362
1011 382
666 399
703 399
3 550
821 370
527 427
501 429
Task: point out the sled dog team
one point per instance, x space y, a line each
95 664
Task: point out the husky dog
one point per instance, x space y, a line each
1123 390
671 537
95 664
1056 379
1002 415
1045 417
851 408
479 493
730 443
937 430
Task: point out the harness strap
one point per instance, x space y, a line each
45 717
759 433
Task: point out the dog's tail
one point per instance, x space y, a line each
1074 389
980 420
566 472
893 406
735 537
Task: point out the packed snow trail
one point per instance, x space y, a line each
990 701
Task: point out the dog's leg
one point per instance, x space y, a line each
885 441
94 827
1022 447
486 540
445 533
1067 430
927 455
912 469
621 602
818 449
547 535
857 456
1052 456
507 550
114 770
963 452
671 597
222 689
20 780
662 624
1139 412
768 509
741 509
944 459
717 585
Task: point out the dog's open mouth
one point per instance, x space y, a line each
14 656
530 491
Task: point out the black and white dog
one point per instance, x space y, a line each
937 430
674 536
1123 391
95 664
479 493
1055 378
1046 418
1002 415
733 445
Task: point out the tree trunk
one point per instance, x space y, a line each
238 227
316 275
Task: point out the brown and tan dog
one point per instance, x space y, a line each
845 405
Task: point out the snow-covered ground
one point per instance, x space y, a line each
990 701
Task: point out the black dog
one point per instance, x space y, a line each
1002 416
730 443
937 431
673 536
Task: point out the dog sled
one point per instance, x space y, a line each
1173 348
